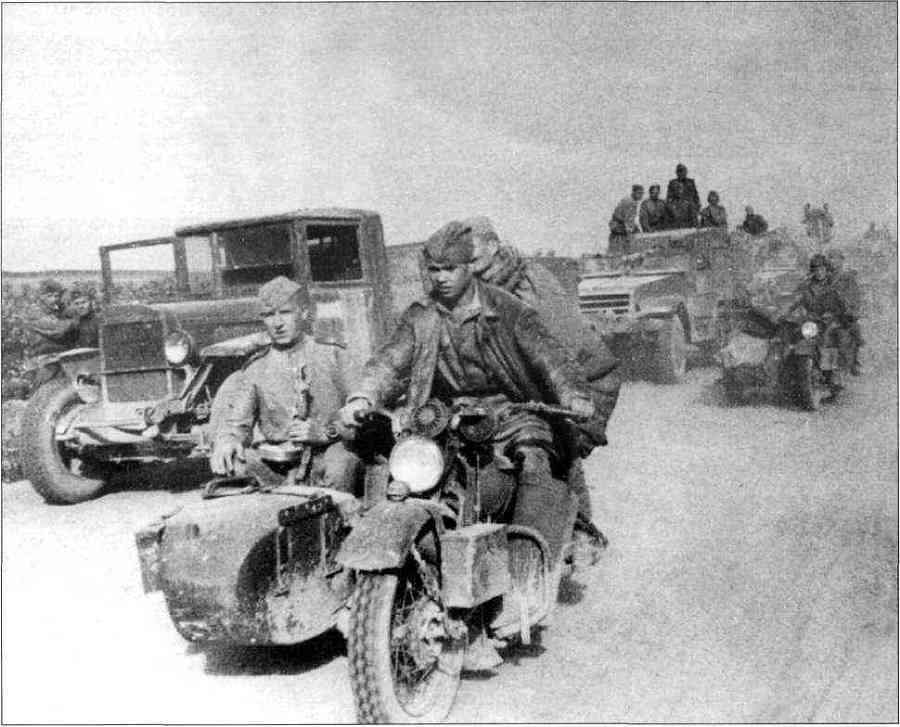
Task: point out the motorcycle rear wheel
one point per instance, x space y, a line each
403 665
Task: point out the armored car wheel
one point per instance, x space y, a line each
405 662
57 474
669 355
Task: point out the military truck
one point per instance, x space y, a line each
669 296
180 318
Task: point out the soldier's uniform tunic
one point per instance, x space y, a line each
280 386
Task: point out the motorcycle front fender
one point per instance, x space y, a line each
381 537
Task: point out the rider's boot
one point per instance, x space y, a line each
543 502
481 654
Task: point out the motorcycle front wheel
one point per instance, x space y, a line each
809 386
404 663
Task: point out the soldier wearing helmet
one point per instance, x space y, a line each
288 393
817 295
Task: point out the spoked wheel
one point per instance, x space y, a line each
404 651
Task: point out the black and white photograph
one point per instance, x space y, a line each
465 362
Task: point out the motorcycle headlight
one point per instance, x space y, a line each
418 462
177 347
809 329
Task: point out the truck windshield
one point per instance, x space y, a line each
249 256
151 273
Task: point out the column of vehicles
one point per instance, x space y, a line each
419 567
150 392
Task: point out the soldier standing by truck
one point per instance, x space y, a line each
82 310
48 331
290 390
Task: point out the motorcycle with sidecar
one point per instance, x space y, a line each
799 357
419 566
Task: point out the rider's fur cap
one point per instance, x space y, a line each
451 245
275 293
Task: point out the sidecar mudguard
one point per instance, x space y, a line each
382 536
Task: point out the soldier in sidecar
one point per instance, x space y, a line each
287 390
261 568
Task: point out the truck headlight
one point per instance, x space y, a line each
809 329
177 347
418 462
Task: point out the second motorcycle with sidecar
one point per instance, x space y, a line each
798 358
422 567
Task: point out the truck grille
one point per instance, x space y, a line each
133 345
605 303
129 349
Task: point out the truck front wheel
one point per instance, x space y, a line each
670 353
56 473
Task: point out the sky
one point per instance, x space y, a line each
124 121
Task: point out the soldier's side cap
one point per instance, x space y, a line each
451 245
276 292
49 285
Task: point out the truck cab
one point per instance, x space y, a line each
179 318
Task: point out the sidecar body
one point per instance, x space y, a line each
251 565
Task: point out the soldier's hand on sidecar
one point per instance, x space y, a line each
227 453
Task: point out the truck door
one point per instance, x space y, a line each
346 279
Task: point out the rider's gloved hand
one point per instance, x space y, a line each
227 453
348 412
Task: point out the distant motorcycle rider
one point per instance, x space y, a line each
469 340
819 297
846 285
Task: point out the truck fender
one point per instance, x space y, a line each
238 347
77 363
381 538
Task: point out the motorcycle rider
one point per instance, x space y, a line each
471 339
846 284
502 265
290 389
819 297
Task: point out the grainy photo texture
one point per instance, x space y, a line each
466 362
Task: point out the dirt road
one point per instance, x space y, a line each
751 576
